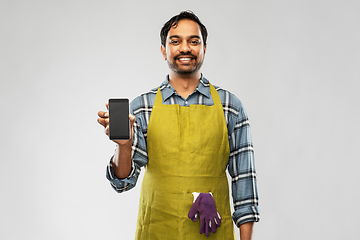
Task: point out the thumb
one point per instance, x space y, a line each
193 213
132 120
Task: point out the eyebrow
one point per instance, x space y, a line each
177 36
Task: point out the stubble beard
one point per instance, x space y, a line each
175 67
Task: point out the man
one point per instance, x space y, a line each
186 132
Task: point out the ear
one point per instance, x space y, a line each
205 48
163 51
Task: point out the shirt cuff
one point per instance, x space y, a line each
120 185
112 172
246 214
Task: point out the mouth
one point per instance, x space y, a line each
185 59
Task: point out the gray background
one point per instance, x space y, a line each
294 65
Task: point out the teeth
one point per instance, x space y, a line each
184 59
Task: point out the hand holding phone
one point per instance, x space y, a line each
119 123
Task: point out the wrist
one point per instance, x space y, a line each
122 161
124 146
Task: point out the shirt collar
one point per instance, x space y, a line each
167 90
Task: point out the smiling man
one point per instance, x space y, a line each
184 48
187 132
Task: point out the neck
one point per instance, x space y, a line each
184 84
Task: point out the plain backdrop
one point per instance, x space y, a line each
294 65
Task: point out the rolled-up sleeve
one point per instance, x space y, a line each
242 171
121 185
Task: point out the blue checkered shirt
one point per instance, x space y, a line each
241 165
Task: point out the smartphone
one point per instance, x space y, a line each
119 123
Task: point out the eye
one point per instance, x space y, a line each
194 42
174 42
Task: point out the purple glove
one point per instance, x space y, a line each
204 205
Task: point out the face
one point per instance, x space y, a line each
184 50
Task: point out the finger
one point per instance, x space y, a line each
107 130
207 228
194 218
217 221
102 122
103 114
107 105
193 214
202 226
213 226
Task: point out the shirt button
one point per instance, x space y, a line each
186 102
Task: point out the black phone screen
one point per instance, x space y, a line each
119 123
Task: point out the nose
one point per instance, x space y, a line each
184 47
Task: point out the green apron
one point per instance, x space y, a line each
188 151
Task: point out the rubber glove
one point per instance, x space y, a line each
204 205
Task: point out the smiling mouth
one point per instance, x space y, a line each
185 59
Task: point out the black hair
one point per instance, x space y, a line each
174 21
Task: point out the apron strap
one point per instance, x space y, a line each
158 98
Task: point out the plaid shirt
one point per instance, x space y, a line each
241 166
